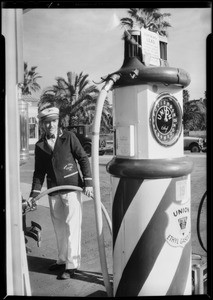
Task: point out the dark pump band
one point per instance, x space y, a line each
150 168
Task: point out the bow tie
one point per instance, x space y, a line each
52 136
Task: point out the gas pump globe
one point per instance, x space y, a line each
150 175
166 119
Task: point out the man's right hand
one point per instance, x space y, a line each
32 203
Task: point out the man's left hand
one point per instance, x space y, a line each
88 191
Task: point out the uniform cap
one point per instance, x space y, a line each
50 113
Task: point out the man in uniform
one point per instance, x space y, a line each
60 157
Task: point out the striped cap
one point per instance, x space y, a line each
50 113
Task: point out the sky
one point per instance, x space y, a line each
90 41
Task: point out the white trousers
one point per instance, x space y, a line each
66 214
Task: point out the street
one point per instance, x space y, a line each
88 280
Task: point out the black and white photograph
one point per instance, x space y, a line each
106 135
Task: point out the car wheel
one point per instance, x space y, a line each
87 149
195 148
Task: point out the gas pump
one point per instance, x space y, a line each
150 176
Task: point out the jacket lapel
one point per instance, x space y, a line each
60 140
44 146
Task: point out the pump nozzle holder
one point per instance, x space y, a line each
134 72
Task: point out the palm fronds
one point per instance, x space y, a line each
148 18
30 80
76 98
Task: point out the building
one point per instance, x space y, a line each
33 120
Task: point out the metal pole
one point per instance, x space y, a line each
12 31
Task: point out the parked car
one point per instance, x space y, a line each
194 144
204 145
109 146
84 134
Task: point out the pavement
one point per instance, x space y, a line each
88 281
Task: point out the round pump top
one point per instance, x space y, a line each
134 71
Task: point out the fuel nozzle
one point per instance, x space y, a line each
24 206
29 205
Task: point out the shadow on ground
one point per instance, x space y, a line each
98 294
41 265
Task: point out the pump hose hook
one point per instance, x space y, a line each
204 197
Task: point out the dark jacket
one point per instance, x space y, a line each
60 165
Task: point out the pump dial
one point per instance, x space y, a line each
166 120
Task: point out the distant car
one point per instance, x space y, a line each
84 134
204 145
194 144
109 146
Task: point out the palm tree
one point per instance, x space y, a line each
194 115
205 98
76 98
148 18
186 96
30 80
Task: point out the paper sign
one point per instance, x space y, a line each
125 140
150 46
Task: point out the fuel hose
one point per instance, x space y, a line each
73 188
96 181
